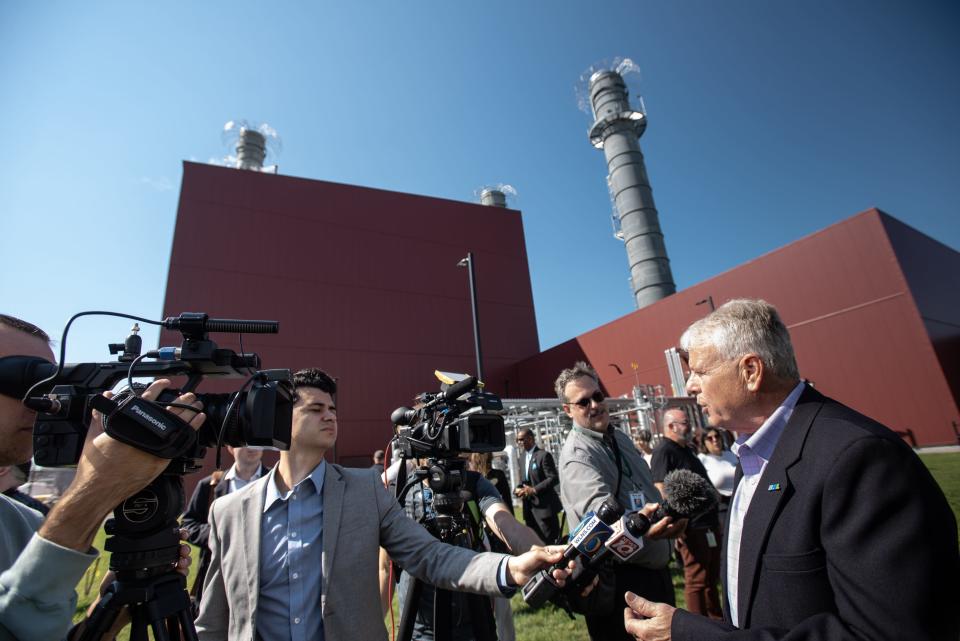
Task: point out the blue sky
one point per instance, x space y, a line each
768 120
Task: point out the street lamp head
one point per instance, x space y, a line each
464 262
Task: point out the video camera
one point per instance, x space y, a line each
259 413
457 419
460 418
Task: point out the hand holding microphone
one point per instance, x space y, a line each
585 541
686 496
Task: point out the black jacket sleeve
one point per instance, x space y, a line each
195 518
550 476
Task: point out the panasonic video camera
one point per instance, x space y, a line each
259 413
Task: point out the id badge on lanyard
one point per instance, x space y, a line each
637 500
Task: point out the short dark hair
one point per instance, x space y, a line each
315 377
23 326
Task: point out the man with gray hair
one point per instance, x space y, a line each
836 528
598 462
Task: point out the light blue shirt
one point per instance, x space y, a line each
291 551
754 452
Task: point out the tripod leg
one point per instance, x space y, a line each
442 621
101 619
138 625
187 630
482 617
411 604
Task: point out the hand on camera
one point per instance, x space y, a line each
521 569
122 469
108 472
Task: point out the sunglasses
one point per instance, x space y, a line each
597 397
713 437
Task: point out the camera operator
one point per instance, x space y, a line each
598 462
281 544
485 510
41 563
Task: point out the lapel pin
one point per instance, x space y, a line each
773 487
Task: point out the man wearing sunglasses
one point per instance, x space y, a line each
598 462
540 501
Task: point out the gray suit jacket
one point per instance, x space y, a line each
359 516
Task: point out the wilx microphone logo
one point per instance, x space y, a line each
140 507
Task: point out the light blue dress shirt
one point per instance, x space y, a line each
754 452
291 551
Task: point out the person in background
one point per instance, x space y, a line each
483 463
599 462
721 465
378 461
699 546
642 440
245 469
541 505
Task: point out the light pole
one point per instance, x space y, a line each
468 263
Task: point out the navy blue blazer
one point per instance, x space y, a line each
858 543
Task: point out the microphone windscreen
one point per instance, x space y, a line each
687 494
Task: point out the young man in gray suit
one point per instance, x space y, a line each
295 554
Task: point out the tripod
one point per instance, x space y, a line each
444 518
145 544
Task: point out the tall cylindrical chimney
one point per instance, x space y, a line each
616 129
251 149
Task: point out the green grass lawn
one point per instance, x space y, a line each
550 623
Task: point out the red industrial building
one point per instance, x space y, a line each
365 285
873 310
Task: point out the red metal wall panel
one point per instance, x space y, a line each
933 272
857 333
364 282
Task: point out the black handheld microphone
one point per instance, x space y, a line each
586 541
686 494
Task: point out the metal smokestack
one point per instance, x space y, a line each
616 129
498 195
493 197
250 145
251 149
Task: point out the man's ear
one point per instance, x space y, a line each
751 372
